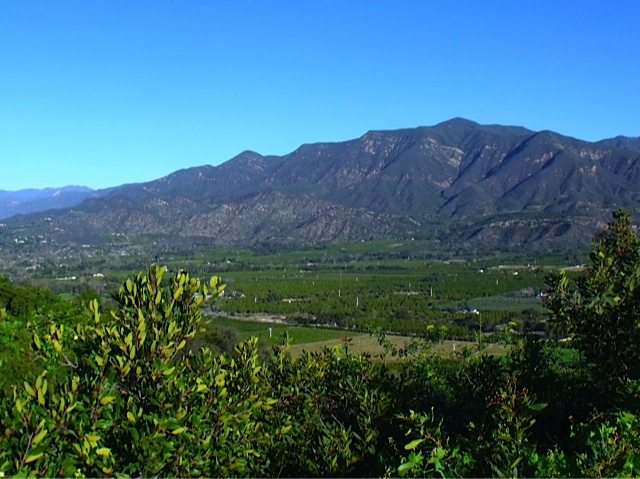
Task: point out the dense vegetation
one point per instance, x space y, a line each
126 390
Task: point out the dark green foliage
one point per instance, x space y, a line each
23 310
612 447
146 389
86 296
335 405
219 340
431 454
601 309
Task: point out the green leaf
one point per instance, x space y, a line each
538 406
413 444
107 399
103 451
39 437
177 293
33 457
406 466
201 388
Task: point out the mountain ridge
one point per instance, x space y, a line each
384 183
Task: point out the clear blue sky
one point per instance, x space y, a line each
101 93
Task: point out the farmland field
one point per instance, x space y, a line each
315 339
400 286
272 334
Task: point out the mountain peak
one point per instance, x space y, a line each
457 122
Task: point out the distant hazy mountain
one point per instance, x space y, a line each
475 185
34 200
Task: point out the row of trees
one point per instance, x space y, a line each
122 393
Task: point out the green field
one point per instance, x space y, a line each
297 335
400 286
315 339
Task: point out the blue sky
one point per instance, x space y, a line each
102 93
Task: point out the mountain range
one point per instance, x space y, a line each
34 200
462 184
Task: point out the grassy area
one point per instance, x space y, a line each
365 344
568 355
312 339
298 335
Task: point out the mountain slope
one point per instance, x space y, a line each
501 186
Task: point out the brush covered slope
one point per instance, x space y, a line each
478 186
